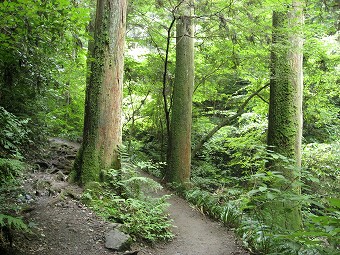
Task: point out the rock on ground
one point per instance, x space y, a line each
117 240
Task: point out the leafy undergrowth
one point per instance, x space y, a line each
238 201
320 234
124 199
10 170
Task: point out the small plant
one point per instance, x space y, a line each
13 134
12 222
9 170
231 214
322 165
321 233
124 198
146 219
8 224
153 168
255 235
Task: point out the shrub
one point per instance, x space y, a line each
9 170
322 164
13 134
124 198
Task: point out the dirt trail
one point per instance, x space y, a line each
62 225
195 233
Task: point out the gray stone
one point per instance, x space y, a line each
114 225
117 240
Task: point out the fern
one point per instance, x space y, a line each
138 186
13 134
13 223
9 170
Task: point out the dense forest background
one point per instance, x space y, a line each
43 67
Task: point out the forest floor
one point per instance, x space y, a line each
62 225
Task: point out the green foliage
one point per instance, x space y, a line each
42 80
231 214
13 223
215 205
246 145
238 150
240 202
321 93
320 235
273 241
42 62
145 220
9 221
13 135
204 201
130 184
124 199
328 223
66 107
321 162
10 169
153 168
208 176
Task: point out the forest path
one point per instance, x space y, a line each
195 233
62 225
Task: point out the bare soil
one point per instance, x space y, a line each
62 225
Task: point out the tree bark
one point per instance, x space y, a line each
102 134
285 111
165 74
179 150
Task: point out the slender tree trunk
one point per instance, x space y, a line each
179 154
165 74
102 134
285 111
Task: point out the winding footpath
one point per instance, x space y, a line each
62 225
195 233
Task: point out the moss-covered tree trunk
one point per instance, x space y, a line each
285 113
179 150
102 134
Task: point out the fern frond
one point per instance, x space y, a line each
13 222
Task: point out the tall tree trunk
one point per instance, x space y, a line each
102 134
179 154
285 111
